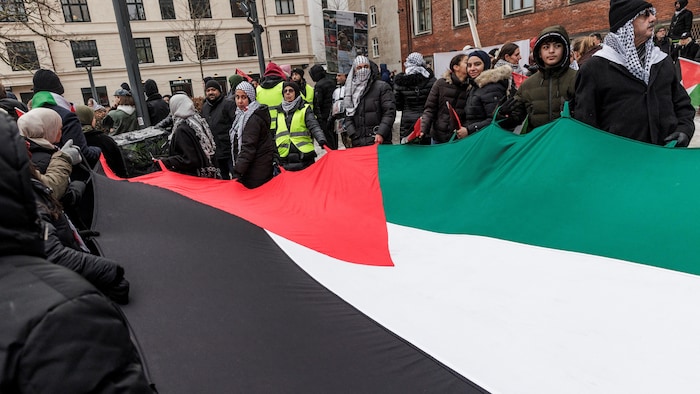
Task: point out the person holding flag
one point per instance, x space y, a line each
629 88
411 90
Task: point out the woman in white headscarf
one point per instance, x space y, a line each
191 142
251 141
369 103
411 89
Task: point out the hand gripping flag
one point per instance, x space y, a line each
414 134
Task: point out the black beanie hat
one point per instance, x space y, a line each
47 81
294 85
622 11
212 84
299 71
682 3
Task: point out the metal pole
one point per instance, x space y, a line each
92 84
132 61
251 11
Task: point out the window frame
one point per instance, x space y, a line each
205 54
174 55
509 9
137 7
89 49
375 47
206 7
79 5
14 11
281 10
167 9
372 16
427 14
242 41
143 47
457 20
31 61
292 40
236 9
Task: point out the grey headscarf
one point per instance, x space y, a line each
182 110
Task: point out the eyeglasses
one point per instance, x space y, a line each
647 12
288 91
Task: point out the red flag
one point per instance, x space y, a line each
244 75
454 116
518 79
19 112
414 134
690 72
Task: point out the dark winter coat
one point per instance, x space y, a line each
487 92
52 321
323 95
664 44
610 98
253 165
544 93
9 105
109 148
437 120
375 114
41 154
220 115
680 23
411 92
185 154
689 51
73 130
158 109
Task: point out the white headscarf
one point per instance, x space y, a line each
356 84
415 64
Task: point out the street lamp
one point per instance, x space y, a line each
87 63
251 12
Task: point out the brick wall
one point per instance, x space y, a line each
579 18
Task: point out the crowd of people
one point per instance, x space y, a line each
626 84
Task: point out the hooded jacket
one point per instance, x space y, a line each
158 109
220 115
411 92
323 95
487 91
544 93
437 120
52 321
254 163
681 22
375 112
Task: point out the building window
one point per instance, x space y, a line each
324 4
85 49
517 6
200 9
375 47
245 45
181 85
284 7
422 17
22 55
290 41
167 9
236 10
460 11
102 98
12 11
143 50
135 8
372 16
174 51
75 11
206 47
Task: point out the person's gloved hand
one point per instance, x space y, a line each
324 145
119 291
682 139
74 193
72 151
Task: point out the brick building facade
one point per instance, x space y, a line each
430 26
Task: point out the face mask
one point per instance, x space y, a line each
362 73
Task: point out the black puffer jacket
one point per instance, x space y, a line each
375 113
437 121
158 109
487 92
411 93
220 115
52 321
253 166
185 154
323 95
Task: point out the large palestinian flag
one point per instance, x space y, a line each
561 261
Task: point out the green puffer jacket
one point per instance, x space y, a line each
544 93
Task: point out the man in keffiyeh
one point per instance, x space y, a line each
369 103
630 87
48 93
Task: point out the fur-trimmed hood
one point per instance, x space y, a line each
494 75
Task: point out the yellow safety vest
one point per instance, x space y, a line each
308 96
299 134
272 97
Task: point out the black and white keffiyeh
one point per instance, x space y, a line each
637 61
